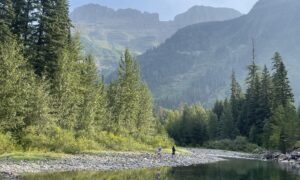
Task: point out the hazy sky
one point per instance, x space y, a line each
168 8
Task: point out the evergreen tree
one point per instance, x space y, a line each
66 87
7 13
236 99
282 92
145 119
6 19
266 94
53 36
213 126
90 91
126 92
16 87
228 128
25 24
218 108
248 117
284 128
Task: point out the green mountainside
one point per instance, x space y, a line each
194 65
106 32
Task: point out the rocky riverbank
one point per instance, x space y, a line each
115 161
288 161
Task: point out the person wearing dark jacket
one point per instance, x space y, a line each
173 151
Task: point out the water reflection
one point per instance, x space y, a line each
229 170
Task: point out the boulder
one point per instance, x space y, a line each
295 154
283 157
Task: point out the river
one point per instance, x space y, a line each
232 169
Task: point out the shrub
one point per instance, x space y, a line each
297 145
7 144
239 144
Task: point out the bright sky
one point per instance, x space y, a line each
168 8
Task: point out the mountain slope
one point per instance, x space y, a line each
107 32
199 14
195 64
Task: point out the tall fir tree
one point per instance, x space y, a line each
213 126
228 127
25 24
16 86
66 86
282 92
125 92
283 128
249 113
53 36
91 92
6 19
236 99
145 120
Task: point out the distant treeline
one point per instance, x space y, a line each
51 97
264 113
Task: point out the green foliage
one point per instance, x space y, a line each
228 128
284 128
7 143
130 101
265 115
190 127
17 84
30 156
239 144
282 91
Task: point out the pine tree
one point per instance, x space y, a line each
25 24
7 13
145 119
16 87
236 99
228 128
218 108
90 93
284 128
249 115
282 92
66 86
6 19
266 94
213 129
53 36
124 103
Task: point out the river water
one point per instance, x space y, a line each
233 169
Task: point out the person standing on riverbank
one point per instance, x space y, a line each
173 151
159 152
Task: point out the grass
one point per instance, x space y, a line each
39 156
30 156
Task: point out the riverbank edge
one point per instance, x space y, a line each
289 161
108 161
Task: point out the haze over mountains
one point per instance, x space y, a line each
107 32
194 65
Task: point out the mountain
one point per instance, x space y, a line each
199 14
195 64
107 32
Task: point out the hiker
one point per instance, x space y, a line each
173 151
159 152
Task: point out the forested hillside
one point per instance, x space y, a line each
105 32
194 64
263 114
51 96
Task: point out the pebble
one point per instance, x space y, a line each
115 161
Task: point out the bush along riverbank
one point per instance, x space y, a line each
12 169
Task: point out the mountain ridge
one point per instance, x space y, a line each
107 32
195 64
